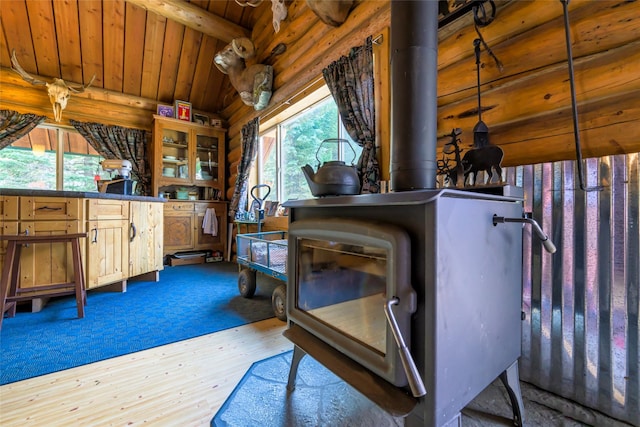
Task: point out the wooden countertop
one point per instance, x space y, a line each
76 194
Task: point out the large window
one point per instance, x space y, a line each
290 144
50 158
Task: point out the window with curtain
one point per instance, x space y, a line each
51 158
291 143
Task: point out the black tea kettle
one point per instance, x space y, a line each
333 178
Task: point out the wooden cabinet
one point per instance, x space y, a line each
145 237
107 258
42 264
124 238
183 229
189 167
189 158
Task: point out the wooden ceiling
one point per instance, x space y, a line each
130 49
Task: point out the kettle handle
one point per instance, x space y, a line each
337 141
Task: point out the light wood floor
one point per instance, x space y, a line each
181 384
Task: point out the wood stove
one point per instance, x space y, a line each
456 278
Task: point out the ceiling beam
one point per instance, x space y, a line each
194 17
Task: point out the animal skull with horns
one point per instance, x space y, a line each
58 89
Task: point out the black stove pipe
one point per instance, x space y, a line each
414 103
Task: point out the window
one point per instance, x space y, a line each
288 145
50 158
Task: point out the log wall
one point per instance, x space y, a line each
526 105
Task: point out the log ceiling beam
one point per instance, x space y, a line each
195 18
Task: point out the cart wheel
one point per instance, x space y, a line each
279 302
247 282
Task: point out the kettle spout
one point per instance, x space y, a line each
309 174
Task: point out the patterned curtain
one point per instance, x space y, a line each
14 126
249 148
350 80
115 142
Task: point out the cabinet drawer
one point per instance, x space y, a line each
49 208
201 207
178 206
99 209
8 207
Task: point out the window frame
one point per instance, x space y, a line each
58 145
303 106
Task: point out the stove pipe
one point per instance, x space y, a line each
414 102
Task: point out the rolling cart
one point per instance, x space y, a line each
265 253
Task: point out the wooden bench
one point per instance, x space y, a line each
10 290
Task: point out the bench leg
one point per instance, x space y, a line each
6 280
78 276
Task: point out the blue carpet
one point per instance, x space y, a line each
187 302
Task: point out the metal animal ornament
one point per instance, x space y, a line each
59 91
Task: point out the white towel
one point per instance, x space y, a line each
210 222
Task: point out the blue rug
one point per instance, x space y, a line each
187 302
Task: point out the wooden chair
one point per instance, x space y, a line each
11 292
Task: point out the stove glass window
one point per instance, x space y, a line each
344 286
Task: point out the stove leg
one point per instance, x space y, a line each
511 380
298 354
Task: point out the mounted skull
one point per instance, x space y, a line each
253 83
59 91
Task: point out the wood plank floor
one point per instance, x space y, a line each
180 384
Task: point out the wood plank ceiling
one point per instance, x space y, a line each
131 50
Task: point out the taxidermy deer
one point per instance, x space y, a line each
253 82
59 91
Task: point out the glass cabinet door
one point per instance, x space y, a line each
207 158
175 154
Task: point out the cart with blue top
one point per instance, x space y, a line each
264 252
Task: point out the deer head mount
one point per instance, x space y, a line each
252 82
59 91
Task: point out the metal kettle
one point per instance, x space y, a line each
335 177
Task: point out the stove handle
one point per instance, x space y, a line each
413 376
548 244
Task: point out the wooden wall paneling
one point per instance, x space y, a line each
95 104
135 24
43 34
521 53
607 126
218 84
173 38
188 59
15 13
213 80
113 29
152 55
609 73
382 90
68 36
90 17
298 23
203 69
5 59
